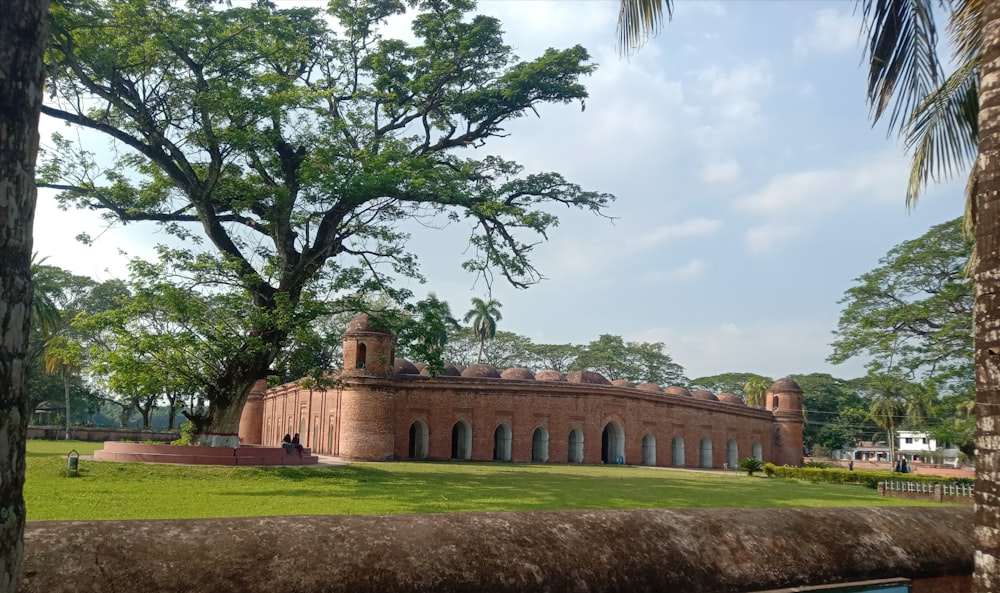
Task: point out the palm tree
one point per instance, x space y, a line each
945 121
754 391
62 358
43 305
484 316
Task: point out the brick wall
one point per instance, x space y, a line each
371 418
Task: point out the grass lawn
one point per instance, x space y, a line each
110 490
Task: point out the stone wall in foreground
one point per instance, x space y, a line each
634 551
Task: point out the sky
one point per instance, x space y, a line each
752 188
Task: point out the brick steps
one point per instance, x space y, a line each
139 452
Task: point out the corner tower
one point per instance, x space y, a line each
784 400
369 350
366 404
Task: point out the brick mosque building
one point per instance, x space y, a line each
385 408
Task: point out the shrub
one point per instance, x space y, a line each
843 476
751 465
188 434
817 464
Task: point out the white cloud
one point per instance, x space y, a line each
771 348
689 271
720 171
767 238
740 80
695 227
832 31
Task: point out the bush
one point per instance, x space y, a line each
751 465
843 476
188 434
817 464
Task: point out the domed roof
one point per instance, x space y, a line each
729 398
652 387
783 385
518 373
677 390
401 366
420 365
364 323
588 377
622 383
549 375
404 367
705 395
480 371
448 371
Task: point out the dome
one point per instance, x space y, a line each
449 371
420 365
518 373
622 383
588 377
480 371
549 375
404 367
784 385
651 387
364 323
705 395
730 398
676 390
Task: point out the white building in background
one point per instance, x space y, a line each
916 446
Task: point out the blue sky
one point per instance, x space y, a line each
752 188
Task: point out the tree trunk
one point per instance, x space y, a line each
986 577
22 74
65 382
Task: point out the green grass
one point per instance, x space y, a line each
109 490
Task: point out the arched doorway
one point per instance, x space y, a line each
418 440
501 443
732 454
613 443
575 454
758 453
705 459
540 445
461 440
649 450
677 451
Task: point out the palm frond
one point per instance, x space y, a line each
638 20
943 130
902 52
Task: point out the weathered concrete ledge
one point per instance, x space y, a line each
690 550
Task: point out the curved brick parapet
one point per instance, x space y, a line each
689 550
191 455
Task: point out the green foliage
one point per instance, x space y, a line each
633 361
912 315
483 316
816 464
189 435
297 147
843 476
751 465
732 383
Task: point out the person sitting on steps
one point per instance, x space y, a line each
287 445
296 445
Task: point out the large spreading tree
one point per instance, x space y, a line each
297 148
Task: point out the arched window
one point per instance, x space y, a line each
418 440
361 355
540 445
732 454
613 443
575 454
461 440
501 443
706 452
758 453
677 451
649 450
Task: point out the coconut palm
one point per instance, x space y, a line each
484 316
945 120
754 391
62 358
43 300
